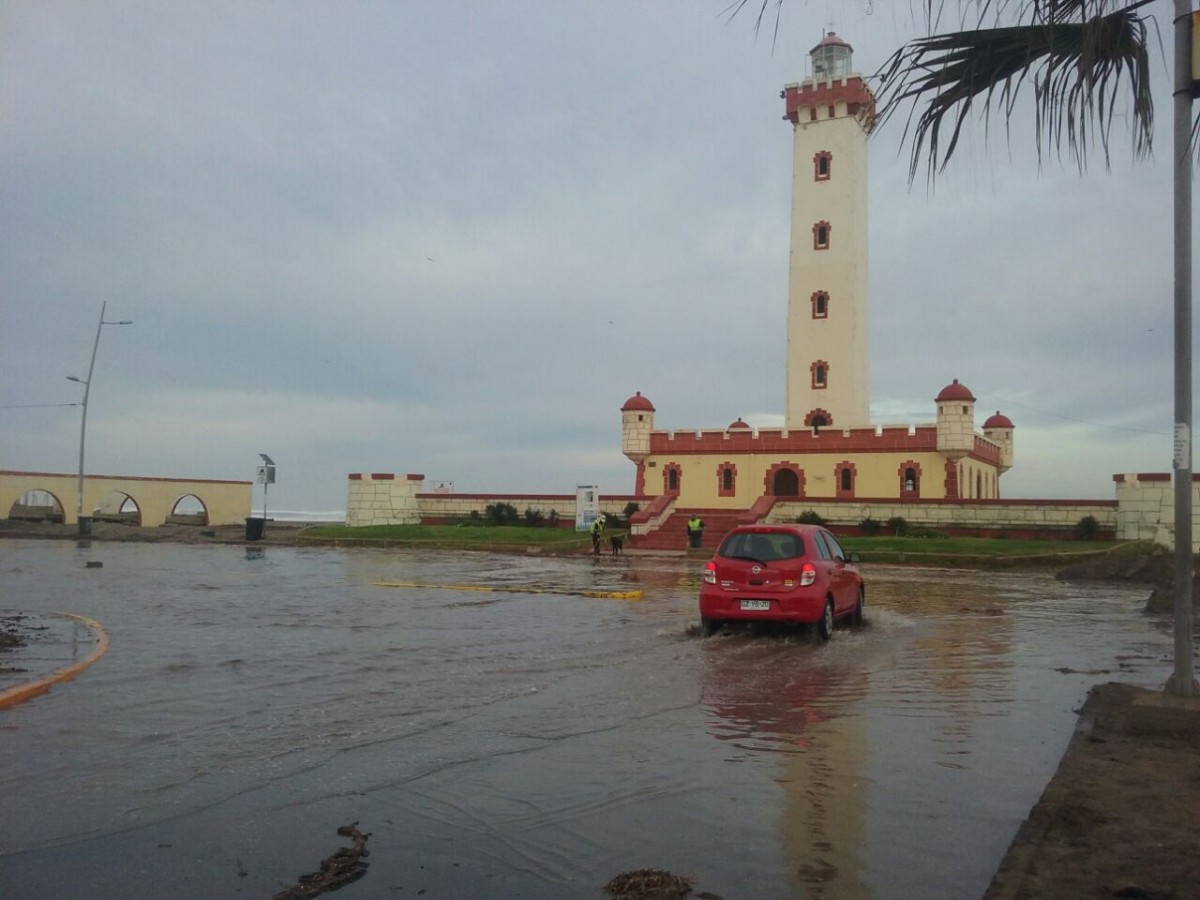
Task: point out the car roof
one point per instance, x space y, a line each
798 528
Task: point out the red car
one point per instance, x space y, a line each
781 573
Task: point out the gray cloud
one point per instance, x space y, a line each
453 238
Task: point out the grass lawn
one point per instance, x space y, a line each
949 551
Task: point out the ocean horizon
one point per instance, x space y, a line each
303 515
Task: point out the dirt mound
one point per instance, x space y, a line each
1155 570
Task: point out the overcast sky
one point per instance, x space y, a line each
453 237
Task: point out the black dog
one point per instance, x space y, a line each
617 543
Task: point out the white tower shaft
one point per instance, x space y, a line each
828 343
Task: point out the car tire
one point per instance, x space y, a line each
825 625
709 627
859 615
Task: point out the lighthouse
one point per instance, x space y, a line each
832 113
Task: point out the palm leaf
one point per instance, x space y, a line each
1076 71
1076 55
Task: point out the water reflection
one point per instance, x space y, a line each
787 696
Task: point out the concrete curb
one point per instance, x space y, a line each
21 693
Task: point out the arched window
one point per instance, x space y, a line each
818 418
822 164
726 480
821 236
820 374
844 476
672 478
847 480
910 480
820 304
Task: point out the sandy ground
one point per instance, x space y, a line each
1119 818
274 532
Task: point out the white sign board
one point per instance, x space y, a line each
443 487
587 506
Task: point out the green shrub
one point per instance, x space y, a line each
810 517
869 526
1087 527
929 533
897 525
501 514
630 508
533 517
552 519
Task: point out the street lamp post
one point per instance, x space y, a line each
84 528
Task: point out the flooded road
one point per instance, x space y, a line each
518 744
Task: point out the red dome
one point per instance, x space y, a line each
955 391
637 401
998 421
738 424
831 40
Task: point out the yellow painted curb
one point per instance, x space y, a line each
24 692
603 595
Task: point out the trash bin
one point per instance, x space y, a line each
85 526
254 528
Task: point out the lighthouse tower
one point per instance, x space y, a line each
831 113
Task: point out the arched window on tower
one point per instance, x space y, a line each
822 165
820 375
821 236
820 304
816 419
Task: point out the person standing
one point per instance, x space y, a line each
597 533
695 531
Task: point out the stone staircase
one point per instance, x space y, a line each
673 533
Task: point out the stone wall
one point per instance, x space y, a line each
1146 508
1014 518
383 498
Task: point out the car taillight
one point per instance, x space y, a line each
808 574
710 572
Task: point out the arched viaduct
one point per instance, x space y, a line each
221 502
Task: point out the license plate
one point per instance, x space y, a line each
756 604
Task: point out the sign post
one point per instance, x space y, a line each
265 476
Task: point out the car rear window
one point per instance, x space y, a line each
763 546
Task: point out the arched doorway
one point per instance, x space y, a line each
786 483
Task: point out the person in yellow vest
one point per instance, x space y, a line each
695 530
597 533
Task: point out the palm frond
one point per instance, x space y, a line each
1075 68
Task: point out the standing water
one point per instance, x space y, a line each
527 740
